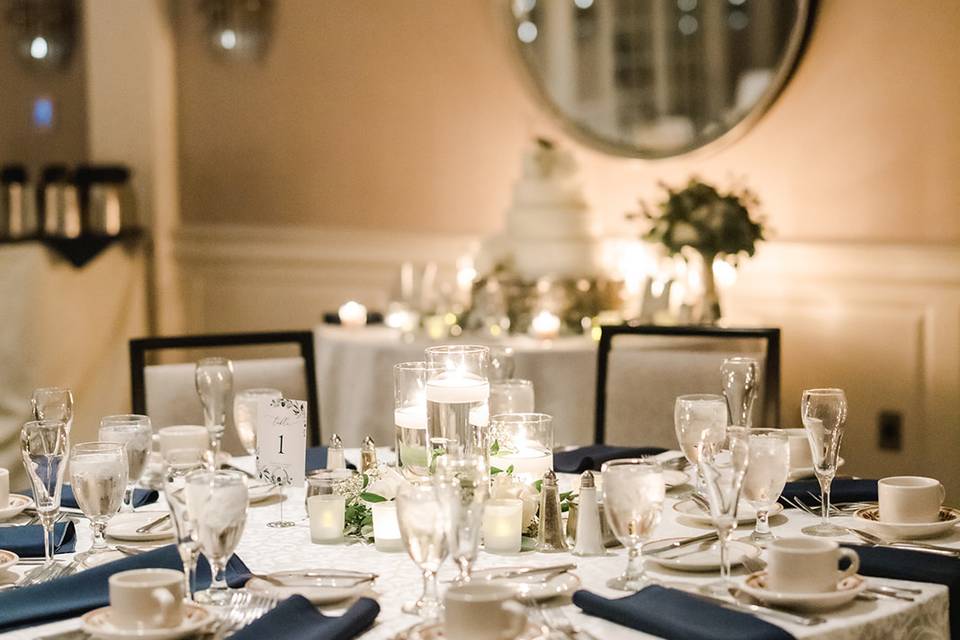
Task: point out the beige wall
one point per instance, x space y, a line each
410 115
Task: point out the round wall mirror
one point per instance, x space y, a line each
658 78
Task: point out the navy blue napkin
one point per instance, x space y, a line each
69 501
918 566
842 490
27 541
317 459
87 590
592 457
296 619
674 615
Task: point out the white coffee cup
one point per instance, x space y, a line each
4 488
482 612
800 454
807 565
910 499
184 437
146 599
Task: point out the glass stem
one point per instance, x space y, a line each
825 499
49 546
189 559
763 523
634 568
127 505
429 588
218 582
99 544
723 533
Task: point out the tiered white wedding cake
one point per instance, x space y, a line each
550 230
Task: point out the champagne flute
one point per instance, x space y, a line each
420 515
633 493
178 465
214 382
766 476
135 433
463 485
246 404
723 466
698 419
824 414
217 507
740 376
98 474
53 403
43 447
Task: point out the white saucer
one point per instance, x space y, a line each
673 478
123 526
17 504
847 590
8 559
316 590
870 517
705 557
799 473
534 587
745 513
97 624
261 492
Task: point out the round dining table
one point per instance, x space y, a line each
266 549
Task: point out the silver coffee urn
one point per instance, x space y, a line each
106 198
60 203
18 206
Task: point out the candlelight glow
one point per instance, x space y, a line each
352 314
545 325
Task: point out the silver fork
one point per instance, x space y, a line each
558 619
244 608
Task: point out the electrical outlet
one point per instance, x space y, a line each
890 430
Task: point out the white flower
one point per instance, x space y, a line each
507 487
385 482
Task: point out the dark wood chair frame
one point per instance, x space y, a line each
771 390
139 347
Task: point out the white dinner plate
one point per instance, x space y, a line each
97 623
123 526
534 587
674 478
847 589
434 631
870 518
8 559
703 557
17 504
325 590
258 492
745 513
799 473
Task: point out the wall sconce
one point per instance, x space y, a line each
45 31
238 29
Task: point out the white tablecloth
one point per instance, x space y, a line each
265 549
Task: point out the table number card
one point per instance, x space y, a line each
282 440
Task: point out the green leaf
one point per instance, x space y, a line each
510 470
494 471
371 497
366 481
538 485
495 448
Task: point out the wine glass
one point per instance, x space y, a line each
463 484
53 403
511 396
245 406
633 493
766 476
723 466
217 507
178 465
214 382
135 433
420 515
43 447
740 376
699 418
98 474
824 414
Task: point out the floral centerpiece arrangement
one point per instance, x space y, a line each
714 224
379 484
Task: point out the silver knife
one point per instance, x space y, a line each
756 609
655 548
153 524
527 571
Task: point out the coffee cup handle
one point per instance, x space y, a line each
854 562
164 601
943 494
518 619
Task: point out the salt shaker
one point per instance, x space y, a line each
335 457
589 540
368 455
550 536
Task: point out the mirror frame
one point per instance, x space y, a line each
796 46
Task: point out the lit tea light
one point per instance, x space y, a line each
326 518
545 325
352 314
386 527
502 522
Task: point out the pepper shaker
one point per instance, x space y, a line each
368 455
550 536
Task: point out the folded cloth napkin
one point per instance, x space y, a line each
296 619
68 500
844 490
675 615
592 457
81 592
918 566
27 541
317 459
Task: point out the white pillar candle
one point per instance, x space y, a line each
352 314
529 463
386 527
545 325
326 517
502 523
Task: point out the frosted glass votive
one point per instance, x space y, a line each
326 518
386 527
502 523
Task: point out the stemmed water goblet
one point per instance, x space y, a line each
43 446
723 466
740 378
217 508
699 419
463 486
633 493
824 414
420 515
246 405
214 383
767 472
53 403
178 465
98 474
135 433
